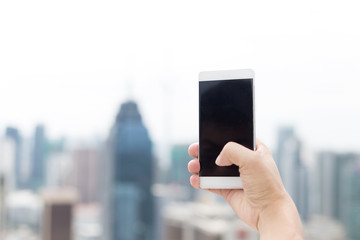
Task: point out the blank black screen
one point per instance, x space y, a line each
226 114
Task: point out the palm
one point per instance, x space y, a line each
240 204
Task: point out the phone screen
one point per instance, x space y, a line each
226 114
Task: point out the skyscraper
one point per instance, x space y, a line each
2 206
7 159
129 204
350 198
339 188
37 176
57 219
15 136
292 169
7 162
86 173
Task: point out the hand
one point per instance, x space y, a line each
263 203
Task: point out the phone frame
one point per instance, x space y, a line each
216 182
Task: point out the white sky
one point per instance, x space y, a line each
69 65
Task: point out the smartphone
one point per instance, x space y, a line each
226 113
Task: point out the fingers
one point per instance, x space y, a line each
194 150
258 142
194 166
259 145
234 153
225 193
195 181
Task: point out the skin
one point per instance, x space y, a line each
263 203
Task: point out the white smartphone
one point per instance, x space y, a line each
226 113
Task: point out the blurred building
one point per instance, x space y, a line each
200 221
2 206
7 162
339 175
37 178
323 228
331 170
293 170
59 173
165 194
14 135
128 201
87 222
22 233
179 160
87 170
351 183
178 174
23 209
350 192
57 220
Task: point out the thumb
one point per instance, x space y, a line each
234 153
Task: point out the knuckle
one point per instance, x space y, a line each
230 146
228 149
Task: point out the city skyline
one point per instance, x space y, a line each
129 144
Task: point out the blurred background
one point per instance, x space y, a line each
99 102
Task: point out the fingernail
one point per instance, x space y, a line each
217 161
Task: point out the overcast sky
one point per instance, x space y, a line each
70 64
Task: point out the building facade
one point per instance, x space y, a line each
38 165
339 188
293 170
57 219
204 221
14 134
87 170
128 201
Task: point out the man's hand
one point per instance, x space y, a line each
263 203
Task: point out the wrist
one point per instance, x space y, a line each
280 220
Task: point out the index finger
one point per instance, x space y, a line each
194 150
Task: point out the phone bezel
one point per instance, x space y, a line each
225 182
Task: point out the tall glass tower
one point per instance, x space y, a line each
129 204
14 134
293 170
38 159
